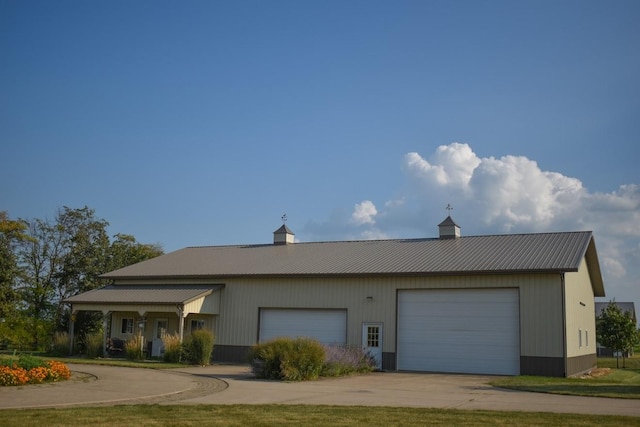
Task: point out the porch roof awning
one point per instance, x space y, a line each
144 294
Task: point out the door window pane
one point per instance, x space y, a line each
373 336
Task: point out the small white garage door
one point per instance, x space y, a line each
459 330
327 326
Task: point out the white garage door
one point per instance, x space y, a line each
459 330
327 326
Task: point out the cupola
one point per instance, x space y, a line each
449 229
283 236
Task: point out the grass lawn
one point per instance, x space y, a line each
151 364
607 381
293 415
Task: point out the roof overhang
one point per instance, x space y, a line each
143 294
593 266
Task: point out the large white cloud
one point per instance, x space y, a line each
510 191
512 194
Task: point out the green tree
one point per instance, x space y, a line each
61 258
125 251
616 330
11 234
43 262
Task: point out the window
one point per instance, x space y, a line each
127 326
586 338
580 338
373 336
161 327
197 324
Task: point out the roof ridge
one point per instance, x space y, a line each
398 239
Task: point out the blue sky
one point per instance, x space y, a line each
202 122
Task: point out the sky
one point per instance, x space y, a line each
203 122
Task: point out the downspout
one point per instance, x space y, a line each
564 324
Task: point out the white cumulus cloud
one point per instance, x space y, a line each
364 213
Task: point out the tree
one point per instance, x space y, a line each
616 329
125 251
60 259
43 262
11 234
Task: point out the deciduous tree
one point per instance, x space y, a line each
616 329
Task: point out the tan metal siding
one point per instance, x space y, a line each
580 312
541 315
207 305
540 306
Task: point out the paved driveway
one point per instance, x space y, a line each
232 384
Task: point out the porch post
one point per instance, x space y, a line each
181 322
72 324
105 315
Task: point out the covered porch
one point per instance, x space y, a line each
149 312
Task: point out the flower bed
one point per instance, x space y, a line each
31 370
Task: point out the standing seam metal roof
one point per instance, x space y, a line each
143 294
542 252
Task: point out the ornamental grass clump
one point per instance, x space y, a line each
172 348
93 345
133 348
31 370
346 360
199 347
60 344
289 359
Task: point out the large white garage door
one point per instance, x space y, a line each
459 330
327 326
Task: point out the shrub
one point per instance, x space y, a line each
29 362
93 345
133 348
345 360
199 347
60 345
58 371
289 359
172 348
31 370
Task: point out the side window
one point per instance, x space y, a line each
197 324
127 326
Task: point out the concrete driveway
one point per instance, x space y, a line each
233 384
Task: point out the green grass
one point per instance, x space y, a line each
610 362
294 415
618 383
150 364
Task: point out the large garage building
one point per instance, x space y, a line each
497 304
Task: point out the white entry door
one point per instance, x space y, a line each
372 341
160 328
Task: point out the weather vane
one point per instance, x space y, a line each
284 218
449 208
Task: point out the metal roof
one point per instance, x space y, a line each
542 252
144 294
623 306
